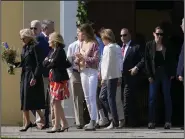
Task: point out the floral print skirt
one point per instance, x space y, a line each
58 90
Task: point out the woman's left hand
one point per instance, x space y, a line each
102 82
32 82
79 56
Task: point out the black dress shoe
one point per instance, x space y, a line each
151 125
167 126
79 127
121 124
45 126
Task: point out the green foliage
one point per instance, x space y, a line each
8 56
82 15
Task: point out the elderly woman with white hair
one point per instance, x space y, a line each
31 85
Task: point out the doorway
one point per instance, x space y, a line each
141 17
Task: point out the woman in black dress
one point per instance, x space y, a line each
31 85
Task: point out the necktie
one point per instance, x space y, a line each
123 49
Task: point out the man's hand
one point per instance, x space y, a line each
50 60
180 78
133 71
102 82
32 82
150 79
46 59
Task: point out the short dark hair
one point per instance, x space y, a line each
125 28
158 27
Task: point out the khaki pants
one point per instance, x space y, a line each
78 97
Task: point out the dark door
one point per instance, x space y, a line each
112 14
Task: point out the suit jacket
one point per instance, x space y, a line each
133 57
44 45
57 64
180 67
168 55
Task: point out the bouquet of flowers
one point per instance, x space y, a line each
9 57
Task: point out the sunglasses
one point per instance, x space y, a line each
159 34
22 39
33 28
123 35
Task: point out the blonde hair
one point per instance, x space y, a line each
107 34
57 38
26 33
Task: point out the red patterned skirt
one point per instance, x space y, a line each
58 90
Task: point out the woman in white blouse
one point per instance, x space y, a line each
111 73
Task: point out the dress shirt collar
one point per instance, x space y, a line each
127 44
44 34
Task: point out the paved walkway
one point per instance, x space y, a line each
100 133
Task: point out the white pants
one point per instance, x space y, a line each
89 80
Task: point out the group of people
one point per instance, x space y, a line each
96 69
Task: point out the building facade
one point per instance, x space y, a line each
15 16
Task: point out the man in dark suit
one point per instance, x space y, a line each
47 29
180 67
133 62
42 31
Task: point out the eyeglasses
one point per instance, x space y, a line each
159 34
123 35
33 28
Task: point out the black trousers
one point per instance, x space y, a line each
108 99
47 108
130 89
99 103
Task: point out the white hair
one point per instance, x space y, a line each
26 33
35 23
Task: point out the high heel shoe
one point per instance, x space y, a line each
53 131
63 129
26 128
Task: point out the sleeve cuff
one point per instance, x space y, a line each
136 67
